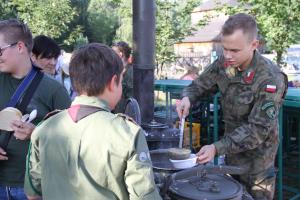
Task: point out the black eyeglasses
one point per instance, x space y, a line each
7 46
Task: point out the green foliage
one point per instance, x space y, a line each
102 21
80 41
124 30
47 17
278 21
70 39
173 25
7 10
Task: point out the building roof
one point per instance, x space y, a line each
208 33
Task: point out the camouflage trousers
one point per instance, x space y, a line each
260 186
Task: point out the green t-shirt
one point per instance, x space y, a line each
49 95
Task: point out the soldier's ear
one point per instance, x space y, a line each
254 44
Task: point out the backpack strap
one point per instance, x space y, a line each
30 90
23 95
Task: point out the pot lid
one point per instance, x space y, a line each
205 186
154 124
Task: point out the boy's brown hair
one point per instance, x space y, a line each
92 67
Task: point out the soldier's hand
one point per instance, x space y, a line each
184 107
3 154
206 154
23 130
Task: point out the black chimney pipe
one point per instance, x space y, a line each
143 56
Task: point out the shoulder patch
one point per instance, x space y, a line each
271 112
267 105
126 117
269 108
143 157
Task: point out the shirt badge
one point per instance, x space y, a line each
249 77
143 157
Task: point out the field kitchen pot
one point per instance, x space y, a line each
160 136
163 169
207 183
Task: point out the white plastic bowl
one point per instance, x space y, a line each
184 164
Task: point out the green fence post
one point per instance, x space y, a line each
216 125
280 155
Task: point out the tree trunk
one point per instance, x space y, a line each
279 58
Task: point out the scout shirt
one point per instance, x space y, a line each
102 156
250 101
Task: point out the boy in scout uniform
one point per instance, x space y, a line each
252 89
86 152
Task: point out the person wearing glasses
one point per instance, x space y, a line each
15 66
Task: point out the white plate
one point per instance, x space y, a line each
184 164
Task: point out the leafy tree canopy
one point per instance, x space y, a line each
278 21
47 17
173 23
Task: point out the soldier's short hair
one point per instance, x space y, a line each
45 47
240 21
92 67
14 30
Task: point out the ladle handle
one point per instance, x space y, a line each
181 132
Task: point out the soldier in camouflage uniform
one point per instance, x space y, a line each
252 89
86 152
124 51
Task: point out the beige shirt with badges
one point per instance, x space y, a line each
98 155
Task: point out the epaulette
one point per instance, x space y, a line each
52 113
126 117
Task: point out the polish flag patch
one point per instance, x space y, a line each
271 88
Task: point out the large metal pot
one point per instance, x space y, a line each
206 183
163 169
160 136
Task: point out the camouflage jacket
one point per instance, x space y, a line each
250 101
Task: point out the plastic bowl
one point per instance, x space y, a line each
186 163
179 153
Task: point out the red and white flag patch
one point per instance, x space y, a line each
271 88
